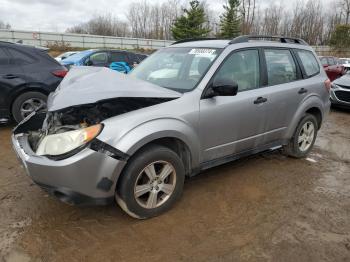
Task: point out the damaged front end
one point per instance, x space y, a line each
60 134
79 106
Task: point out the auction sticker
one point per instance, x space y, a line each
202 51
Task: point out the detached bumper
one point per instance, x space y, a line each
87 177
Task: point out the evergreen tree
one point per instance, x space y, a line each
230 20
340 37
192 23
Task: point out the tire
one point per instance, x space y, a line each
135 177
22 102
295 146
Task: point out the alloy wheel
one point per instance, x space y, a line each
155 184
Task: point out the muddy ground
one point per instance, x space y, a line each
264 208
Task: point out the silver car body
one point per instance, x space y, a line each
340 92
210 131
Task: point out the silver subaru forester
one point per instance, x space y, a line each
188 107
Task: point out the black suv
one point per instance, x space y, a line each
27 75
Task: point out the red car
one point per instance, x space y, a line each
333 69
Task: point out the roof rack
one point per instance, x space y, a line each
282 39
194 39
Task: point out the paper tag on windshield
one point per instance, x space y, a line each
202 51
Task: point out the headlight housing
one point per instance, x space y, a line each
62 143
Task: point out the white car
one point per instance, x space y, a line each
65 55
345 62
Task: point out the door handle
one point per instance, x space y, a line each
260 100
10 76
302 91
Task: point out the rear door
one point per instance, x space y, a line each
11 76
285 90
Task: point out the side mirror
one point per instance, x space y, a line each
222 87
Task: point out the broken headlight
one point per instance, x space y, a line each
62 143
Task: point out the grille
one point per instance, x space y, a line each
343 96
346 87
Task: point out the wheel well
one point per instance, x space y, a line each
316 112
178 146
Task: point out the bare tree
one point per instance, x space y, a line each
346 7
4 25
102 25
248 15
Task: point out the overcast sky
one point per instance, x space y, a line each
58 15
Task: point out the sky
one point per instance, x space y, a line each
58 15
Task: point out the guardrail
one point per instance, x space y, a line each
38 38
80 40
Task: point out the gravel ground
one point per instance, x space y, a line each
263 208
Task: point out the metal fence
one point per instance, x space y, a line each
80 40
95 41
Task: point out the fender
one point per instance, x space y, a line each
149 131
309 102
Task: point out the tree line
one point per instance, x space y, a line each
179 19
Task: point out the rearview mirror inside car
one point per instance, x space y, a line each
222 87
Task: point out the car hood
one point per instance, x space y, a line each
343 81
88 85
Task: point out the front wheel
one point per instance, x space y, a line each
151 182
304 137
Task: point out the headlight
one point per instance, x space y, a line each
62 143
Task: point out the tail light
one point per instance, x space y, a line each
328 85
60 73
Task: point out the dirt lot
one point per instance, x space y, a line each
264 208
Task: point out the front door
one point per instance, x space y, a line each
234 124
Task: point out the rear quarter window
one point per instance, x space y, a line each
21 58
309 62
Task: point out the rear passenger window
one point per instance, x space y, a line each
118 57
281 67
309 62
331 61
20 58
4 59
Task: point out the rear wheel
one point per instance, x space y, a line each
304 137
26 103
151 182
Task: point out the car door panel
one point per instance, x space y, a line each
232 124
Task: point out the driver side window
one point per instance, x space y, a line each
243 68
98 58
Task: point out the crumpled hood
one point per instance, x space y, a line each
343 81
87 85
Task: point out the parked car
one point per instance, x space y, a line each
65 55
135 137
345 62
333 69
27 75
340 91
101 58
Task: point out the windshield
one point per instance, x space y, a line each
78 56
179 69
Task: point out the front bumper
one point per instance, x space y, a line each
88 177
340 96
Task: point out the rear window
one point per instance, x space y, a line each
20 58
309 62
281 67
